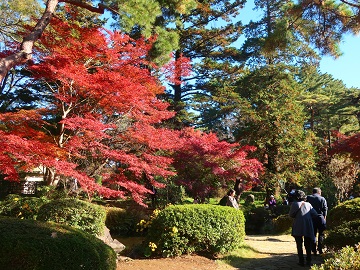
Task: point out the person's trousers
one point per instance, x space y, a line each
320 239
299 245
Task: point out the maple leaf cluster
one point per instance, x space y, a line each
347 144
101 120
204 163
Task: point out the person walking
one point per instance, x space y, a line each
302 228
320 205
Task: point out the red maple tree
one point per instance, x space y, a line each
204 164
347 144
100 121
100 117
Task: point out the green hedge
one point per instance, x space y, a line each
344 212
343 224
21 207
282 224
257 217
34 245
345 234
198 228
123 222
76 213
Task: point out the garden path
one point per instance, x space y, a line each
274 253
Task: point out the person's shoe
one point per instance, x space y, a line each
301 264
308 263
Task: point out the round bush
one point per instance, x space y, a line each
76 213
345 234
346 211
199 228
29 245
282 224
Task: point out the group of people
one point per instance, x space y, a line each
309 213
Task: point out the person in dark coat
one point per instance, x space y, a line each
302 228
320 205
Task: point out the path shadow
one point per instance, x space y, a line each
273 262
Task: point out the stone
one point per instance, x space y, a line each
113 243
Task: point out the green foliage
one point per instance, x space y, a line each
258 195
78 214
345 234
172 193
21 207
273 121
343 223
256 218
282 224
123 222
346 211
348 258
29 245
201 228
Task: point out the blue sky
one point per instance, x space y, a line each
345 67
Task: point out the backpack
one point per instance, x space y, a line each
223 200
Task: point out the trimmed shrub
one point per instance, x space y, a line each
200 228
29 245
123 222
256 219
282 224
348 258
21 207
346 211
76 213
345 234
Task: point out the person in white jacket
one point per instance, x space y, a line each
302 229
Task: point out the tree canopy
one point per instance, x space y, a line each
112 106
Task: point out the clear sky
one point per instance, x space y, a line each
346 67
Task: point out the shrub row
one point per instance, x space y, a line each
198 228
21 207
76 213
343 223
122 222
29 244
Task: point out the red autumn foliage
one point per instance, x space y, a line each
347 144
204 163
105 99
177 69
100 121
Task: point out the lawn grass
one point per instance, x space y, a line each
238 257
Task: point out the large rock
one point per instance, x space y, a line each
115 244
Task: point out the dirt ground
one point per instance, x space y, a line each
274 253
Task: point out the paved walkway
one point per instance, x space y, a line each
278 253
273 253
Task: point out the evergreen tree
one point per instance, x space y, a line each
330 105
273 121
